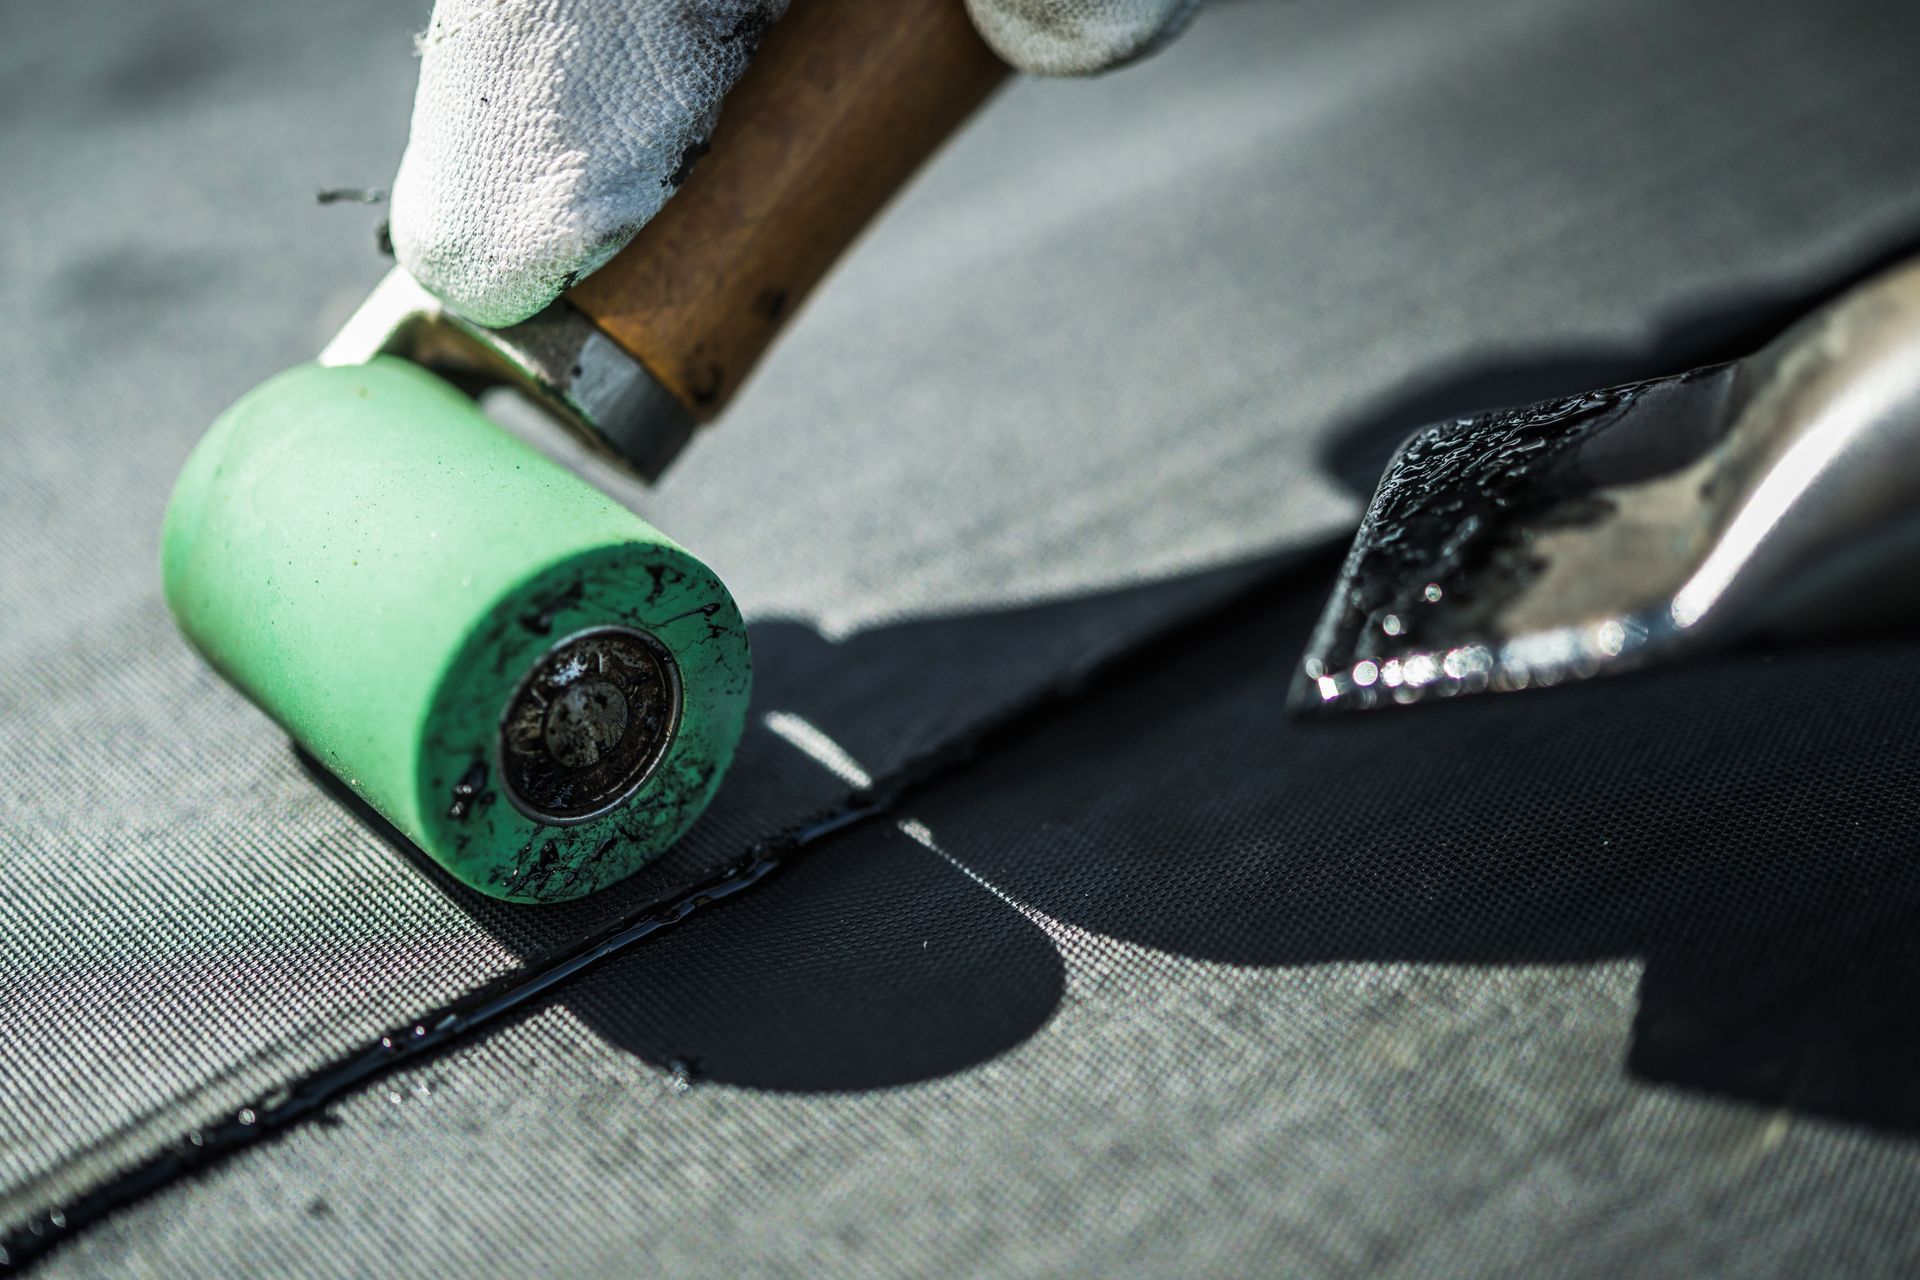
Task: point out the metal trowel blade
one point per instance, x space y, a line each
1631 525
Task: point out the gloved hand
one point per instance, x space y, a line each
547 132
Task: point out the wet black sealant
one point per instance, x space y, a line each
350 195
470 792
490 1005
1447 542
521 990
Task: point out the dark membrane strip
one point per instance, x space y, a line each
514 992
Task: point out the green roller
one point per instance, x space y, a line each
536 687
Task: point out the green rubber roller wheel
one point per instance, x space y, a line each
535 686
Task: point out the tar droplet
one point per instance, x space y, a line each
309 1098
465 791
684 170
540 620
349 195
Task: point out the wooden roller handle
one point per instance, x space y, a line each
842 102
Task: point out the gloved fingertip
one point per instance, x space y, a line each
544 136
450 249
1078 37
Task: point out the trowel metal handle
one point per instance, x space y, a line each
1813 494
840 106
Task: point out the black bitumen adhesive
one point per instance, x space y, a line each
1446 543
468 791
1450 509
486 1007
520 991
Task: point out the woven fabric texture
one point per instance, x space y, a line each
1614 979
1092 373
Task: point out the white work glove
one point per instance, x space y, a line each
547 132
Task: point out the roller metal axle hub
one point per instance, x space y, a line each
527 680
